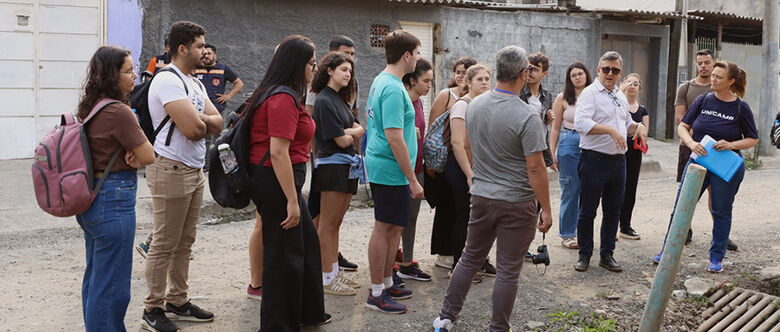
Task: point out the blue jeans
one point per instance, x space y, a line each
568 158
109 230
602 179
722 194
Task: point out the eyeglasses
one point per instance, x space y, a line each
634 83
607 69
578 74
614 98
533 69
130 72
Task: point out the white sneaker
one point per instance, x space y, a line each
338 288
347 281
444 325
444 261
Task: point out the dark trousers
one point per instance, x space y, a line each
461 201
633 166
292 274
602 179
443 218
722 195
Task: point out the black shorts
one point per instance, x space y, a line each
334 178
391 204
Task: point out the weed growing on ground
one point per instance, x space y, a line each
572 321
698 300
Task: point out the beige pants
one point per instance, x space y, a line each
177 193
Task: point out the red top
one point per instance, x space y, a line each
280 116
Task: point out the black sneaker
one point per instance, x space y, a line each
629 233
397 281
188 312
731 246
412 272
324 321
346 265
156 321
488 269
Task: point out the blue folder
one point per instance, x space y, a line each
722 163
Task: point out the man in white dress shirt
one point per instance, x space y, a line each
603 122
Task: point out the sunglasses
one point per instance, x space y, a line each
614 70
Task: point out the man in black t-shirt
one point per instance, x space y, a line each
213 75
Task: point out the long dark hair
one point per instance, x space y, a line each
103 78
287 67
333 60
569 95
421 67
467 62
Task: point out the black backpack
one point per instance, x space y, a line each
139 101
235 190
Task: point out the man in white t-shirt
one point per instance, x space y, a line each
179 103
538 98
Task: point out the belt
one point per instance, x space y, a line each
567 129
601 155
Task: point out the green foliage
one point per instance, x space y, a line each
571 321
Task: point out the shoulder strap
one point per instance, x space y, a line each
108 169
687 87
167 116
99 106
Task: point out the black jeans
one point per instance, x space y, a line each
602 178
443 218
633 166
461 203
292 273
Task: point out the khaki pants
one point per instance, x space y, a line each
177 193
513 225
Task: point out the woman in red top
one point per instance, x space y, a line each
280 136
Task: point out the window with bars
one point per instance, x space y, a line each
378 34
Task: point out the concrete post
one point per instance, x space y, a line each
769 99
653 315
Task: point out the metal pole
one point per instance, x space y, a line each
769 100
653 315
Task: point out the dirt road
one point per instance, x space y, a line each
42 270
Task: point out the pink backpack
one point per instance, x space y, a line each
62 169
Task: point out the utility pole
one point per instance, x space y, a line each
769 99
671 68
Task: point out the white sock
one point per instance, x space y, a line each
388 282
336 267
327 278
377 289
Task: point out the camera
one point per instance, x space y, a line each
542 257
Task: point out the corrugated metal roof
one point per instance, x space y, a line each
456 2
719 14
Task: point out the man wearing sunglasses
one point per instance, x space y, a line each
603 122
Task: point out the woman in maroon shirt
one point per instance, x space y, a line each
280 136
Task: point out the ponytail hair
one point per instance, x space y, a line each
736 73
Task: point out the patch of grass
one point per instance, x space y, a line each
369 203
751 159
776 304
567 319
698 301
602 295
571 322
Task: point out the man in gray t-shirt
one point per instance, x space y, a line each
508 187
503 130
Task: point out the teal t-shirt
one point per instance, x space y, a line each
389 106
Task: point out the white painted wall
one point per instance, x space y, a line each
43 66
423 31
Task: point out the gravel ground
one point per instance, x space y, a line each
42 270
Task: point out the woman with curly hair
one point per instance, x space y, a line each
109 224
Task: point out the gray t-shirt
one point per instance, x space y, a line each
503 130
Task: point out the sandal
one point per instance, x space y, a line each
570 243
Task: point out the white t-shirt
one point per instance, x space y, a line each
167 87
535 103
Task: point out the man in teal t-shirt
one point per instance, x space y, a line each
389 107
390 156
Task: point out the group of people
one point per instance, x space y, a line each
493 187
